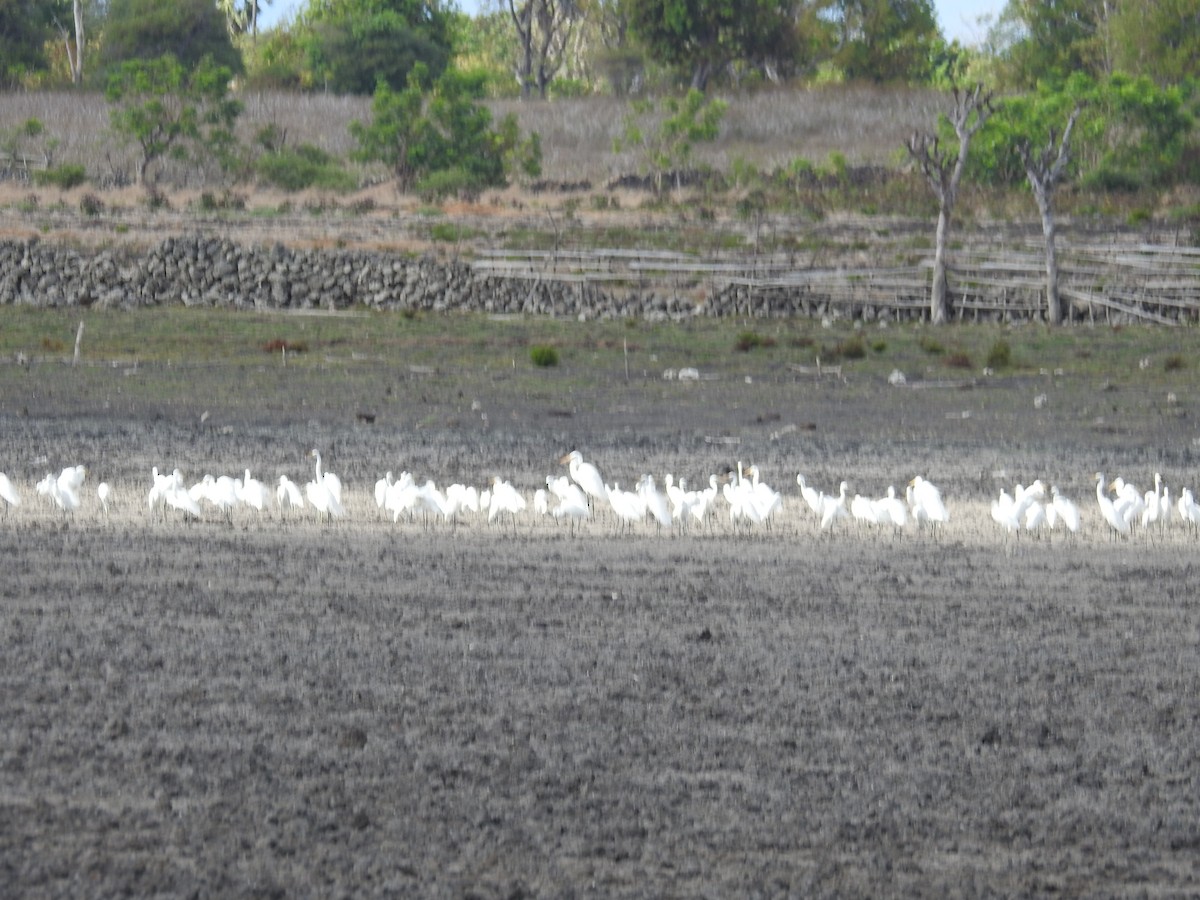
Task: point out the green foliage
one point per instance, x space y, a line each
1000 355
1175 362
703 37
442 138
24 146
278 61
305 166
352 45
25 27
167 109
543 356
65 176
1130 134
887 40
188 30
668 150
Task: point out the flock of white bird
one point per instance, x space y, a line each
584 493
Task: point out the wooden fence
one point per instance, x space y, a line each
1118 281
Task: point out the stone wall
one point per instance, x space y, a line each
213 272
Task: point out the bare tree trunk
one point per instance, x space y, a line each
1044 172
939 308
75 45
943 170
1053 302
523 20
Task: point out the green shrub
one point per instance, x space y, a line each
1000 356
1175 362
456 182
304 167
446 232
931 345
879 346
66 176
543 356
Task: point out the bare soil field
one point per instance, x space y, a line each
286 707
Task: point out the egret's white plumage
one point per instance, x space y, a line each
8 493
1064 510
586 475
1108 509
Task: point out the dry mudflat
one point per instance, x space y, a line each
285 707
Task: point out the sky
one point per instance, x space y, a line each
958 18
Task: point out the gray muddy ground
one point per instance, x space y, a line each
291 708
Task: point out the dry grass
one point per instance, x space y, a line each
767 129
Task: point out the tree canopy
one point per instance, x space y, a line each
25 26
188 30
353 44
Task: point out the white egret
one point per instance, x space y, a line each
324 492
927 496
1108 509
834 509
811 496
288 495
252 492
1066 511
585 475
8 493
892 509
103 492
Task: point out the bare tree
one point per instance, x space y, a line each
1044 171
544 28
943 169
75 43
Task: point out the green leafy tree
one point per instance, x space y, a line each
189 30
1157 38
1131 132
668 148
886 40
441 139
1056 39
353 44
25 26
705 35
168 110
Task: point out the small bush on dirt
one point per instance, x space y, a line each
801 341
304 167
278 345
1000 356
852 348
156 199
446 232
1174 362
879 346
959 360
931 345
751 340
543 356
53 345
66 176
210 202
91 205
